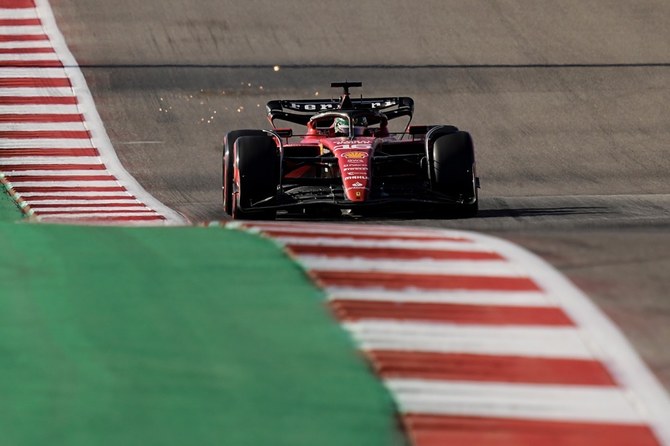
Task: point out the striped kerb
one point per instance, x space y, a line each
49 156
476 346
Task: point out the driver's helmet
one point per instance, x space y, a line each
341 126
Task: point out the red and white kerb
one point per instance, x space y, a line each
55 155
480 342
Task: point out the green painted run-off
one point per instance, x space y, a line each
172 336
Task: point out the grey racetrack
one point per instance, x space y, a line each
567 103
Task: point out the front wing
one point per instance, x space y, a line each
304 197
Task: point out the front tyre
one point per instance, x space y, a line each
228 168
256 178
453 171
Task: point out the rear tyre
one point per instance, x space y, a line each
228 158
256 178
454 172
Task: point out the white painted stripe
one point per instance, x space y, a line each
325 229
74 202
39 143
372 243
54 173
99 135
89 209
52 160
37 91
18 13
525 299
43 73
26 44
550 342
36 126
65 183
39 109
20 30
28 195
538 402
116 221
495 268
28 57
98 215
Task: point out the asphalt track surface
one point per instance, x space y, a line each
566 101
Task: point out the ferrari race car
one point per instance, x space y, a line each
348 160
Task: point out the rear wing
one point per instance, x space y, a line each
300 111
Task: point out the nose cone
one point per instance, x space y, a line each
355 166
356 187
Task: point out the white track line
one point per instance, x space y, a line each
47 143
50 160
344 229
83 184
18 13
75 202
87 209
372 243
494 268
539 402
20 30
26 44
36 126
28 57
25 109
29 195
54 173
516 298
554 342
37 91
42 73
98 215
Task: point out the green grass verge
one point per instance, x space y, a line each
9 212
172 336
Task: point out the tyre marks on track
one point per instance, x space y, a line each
55 156
478 341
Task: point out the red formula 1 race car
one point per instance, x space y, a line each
349 160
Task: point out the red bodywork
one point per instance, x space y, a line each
355 160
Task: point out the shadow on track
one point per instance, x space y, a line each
482 214
543 212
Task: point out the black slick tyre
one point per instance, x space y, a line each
228 159
453 172
256 177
